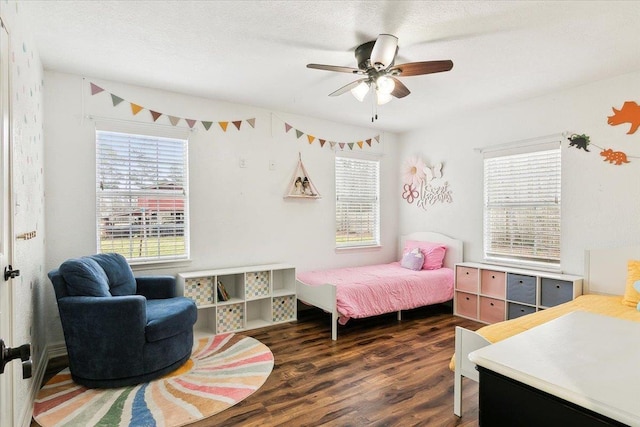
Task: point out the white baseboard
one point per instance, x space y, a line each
50 351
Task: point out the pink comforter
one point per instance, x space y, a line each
385 288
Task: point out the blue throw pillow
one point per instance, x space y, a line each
85 277
120 277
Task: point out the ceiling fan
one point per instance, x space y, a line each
376 63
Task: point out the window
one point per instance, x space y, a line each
522 207
142 196
357 202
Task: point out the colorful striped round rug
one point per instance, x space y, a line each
223 370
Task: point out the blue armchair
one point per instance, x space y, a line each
119 329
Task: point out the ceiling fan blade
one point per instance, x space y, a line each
384 51
337 68
418 68
399 90
347 88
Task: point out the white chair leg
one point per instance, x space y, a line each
457 394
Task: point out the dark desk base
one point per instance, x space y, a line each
506 402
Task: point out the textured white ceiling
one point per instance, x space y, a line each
255 52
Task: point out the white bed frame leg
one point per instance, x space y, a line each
334 326
399 315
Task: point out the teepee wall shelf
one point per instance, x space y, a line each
301 186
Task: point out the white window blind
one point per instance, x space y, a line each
522 208
357 202
142 196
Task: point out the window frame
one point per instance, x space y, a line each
539 210
359 240
163 197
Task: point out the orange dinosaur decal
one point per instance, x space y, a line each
629 113
617 157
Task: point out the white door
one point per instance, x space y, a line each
6 240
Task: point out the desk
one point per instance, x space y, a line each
581 366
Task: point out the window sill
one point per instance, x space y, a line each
156 265
359 248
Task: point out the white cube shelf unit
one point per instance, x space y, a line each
492 293
257 296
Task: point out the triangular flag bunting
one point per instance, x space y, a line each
322 141
341 144
287 127
224 125
155 115
174 120
207 125
116 100
252 122
377 138
369 142
360 143
310 138
135 108
95 89
332 144
191 123
298 133
237 124
350 145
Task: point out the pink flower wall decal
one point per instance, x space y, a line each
413 171
410 193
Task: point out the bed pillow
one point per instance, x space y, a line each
632 296
433 253
413 260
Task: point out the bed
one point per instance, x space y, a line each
366 291
608 286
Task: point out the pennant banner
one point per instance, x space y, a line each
155 115
332 144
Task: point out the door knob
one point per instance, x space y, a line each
10 273
23 353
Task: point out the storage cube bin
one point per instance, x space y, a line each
467 305
554 292
467 279
521 288
284 308
517 310
256 284
491 310
493 283
201 290
230 318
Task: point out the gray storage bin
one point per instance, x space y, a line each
521 288
517 310
554 292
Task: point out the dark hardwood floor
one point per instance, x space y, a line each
380 372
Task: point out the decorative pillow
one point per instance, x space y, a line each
121 279
433 253
632 296
85 277
413 260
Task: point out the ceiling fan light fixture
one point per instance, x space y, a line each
382 98
384 51
360 91
385 85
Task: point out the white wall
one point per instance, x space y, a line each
600 201
238 215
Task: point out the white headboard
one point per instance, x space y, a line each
454 246
605 270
